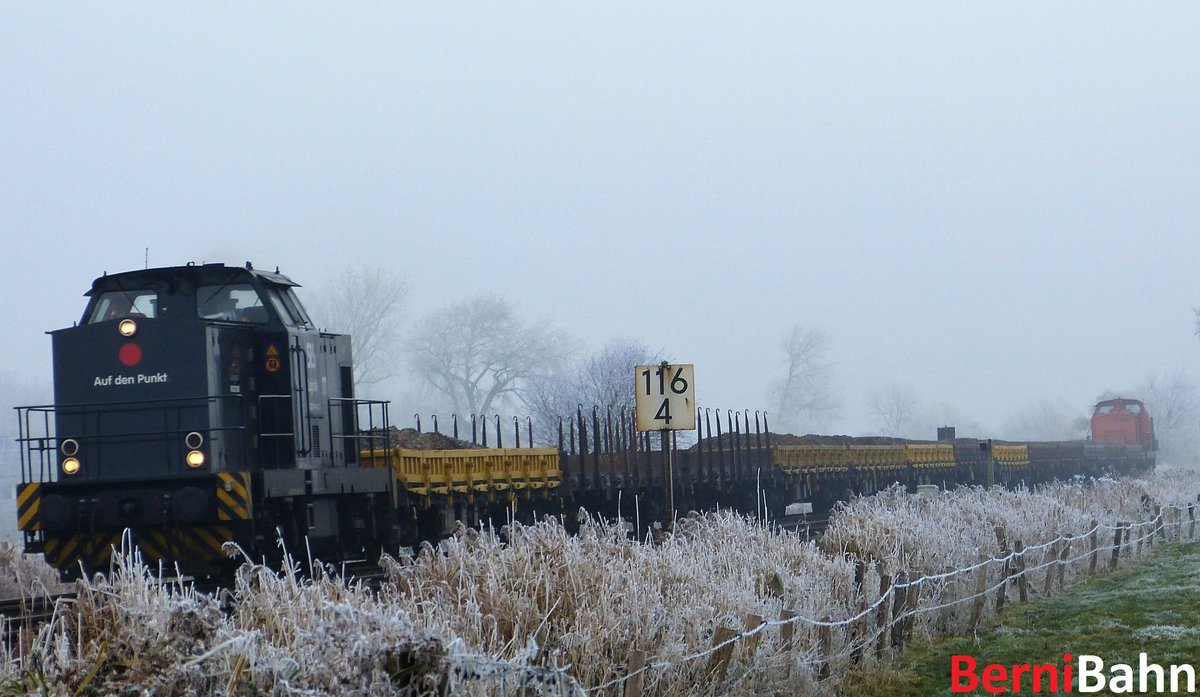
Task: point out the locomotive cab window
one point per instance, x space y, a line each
232 302
288 306
120 304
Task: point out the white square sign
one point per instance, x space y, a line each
666 397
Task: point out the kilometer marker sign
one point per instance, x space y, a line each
665 397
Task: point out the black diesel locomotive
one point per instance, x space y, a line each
194 406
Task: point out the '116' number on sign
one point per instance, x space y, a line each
665 398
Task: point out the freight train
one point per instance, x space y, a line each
198 407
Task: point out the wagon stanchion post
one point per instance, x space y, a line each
608 443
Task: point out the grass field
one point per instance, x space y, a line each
1149 608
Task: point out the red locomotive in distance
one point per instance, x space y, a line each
1123 421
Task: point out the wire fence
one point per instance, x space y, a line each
814 649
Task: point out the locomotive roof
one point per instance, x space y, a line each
1119 400
197 274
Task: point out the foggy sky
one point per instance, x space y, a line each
991 203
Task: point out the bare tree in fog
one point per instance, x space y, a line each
804 394
366 304
1049 419
480 356
20 391
603 378
1172 400
895 407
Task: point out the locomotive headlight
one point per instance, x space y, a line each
193 440
70 465
195 458
69 447
127 327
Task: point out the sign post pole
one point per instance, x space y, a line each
669 476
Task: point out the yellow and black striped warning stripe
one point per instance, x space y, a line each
233 496
93 549
29 500
184 543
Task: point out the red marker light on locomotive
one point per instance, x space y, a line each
130 354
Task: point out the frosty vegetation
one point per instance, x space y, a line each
534 610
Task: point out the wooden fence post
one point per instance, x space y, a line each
1002 588
719 661
825 651
859 626
1116 553
1048 558
900 597
636 662
1002 539
1064 553
1093 543
980 597
881 614
1192 521
752 623
787 630
912 602
1022 587
1162 527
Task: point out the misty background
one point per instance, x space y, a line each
863 218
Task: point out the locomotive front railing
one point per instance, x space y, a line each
98 427
359 435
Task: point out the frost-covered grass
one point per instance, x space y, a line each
533 610
25 575
1108 617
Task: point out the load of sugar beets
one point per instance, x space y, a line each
199 405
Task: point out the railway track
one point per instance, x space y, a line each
26 615
804 525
